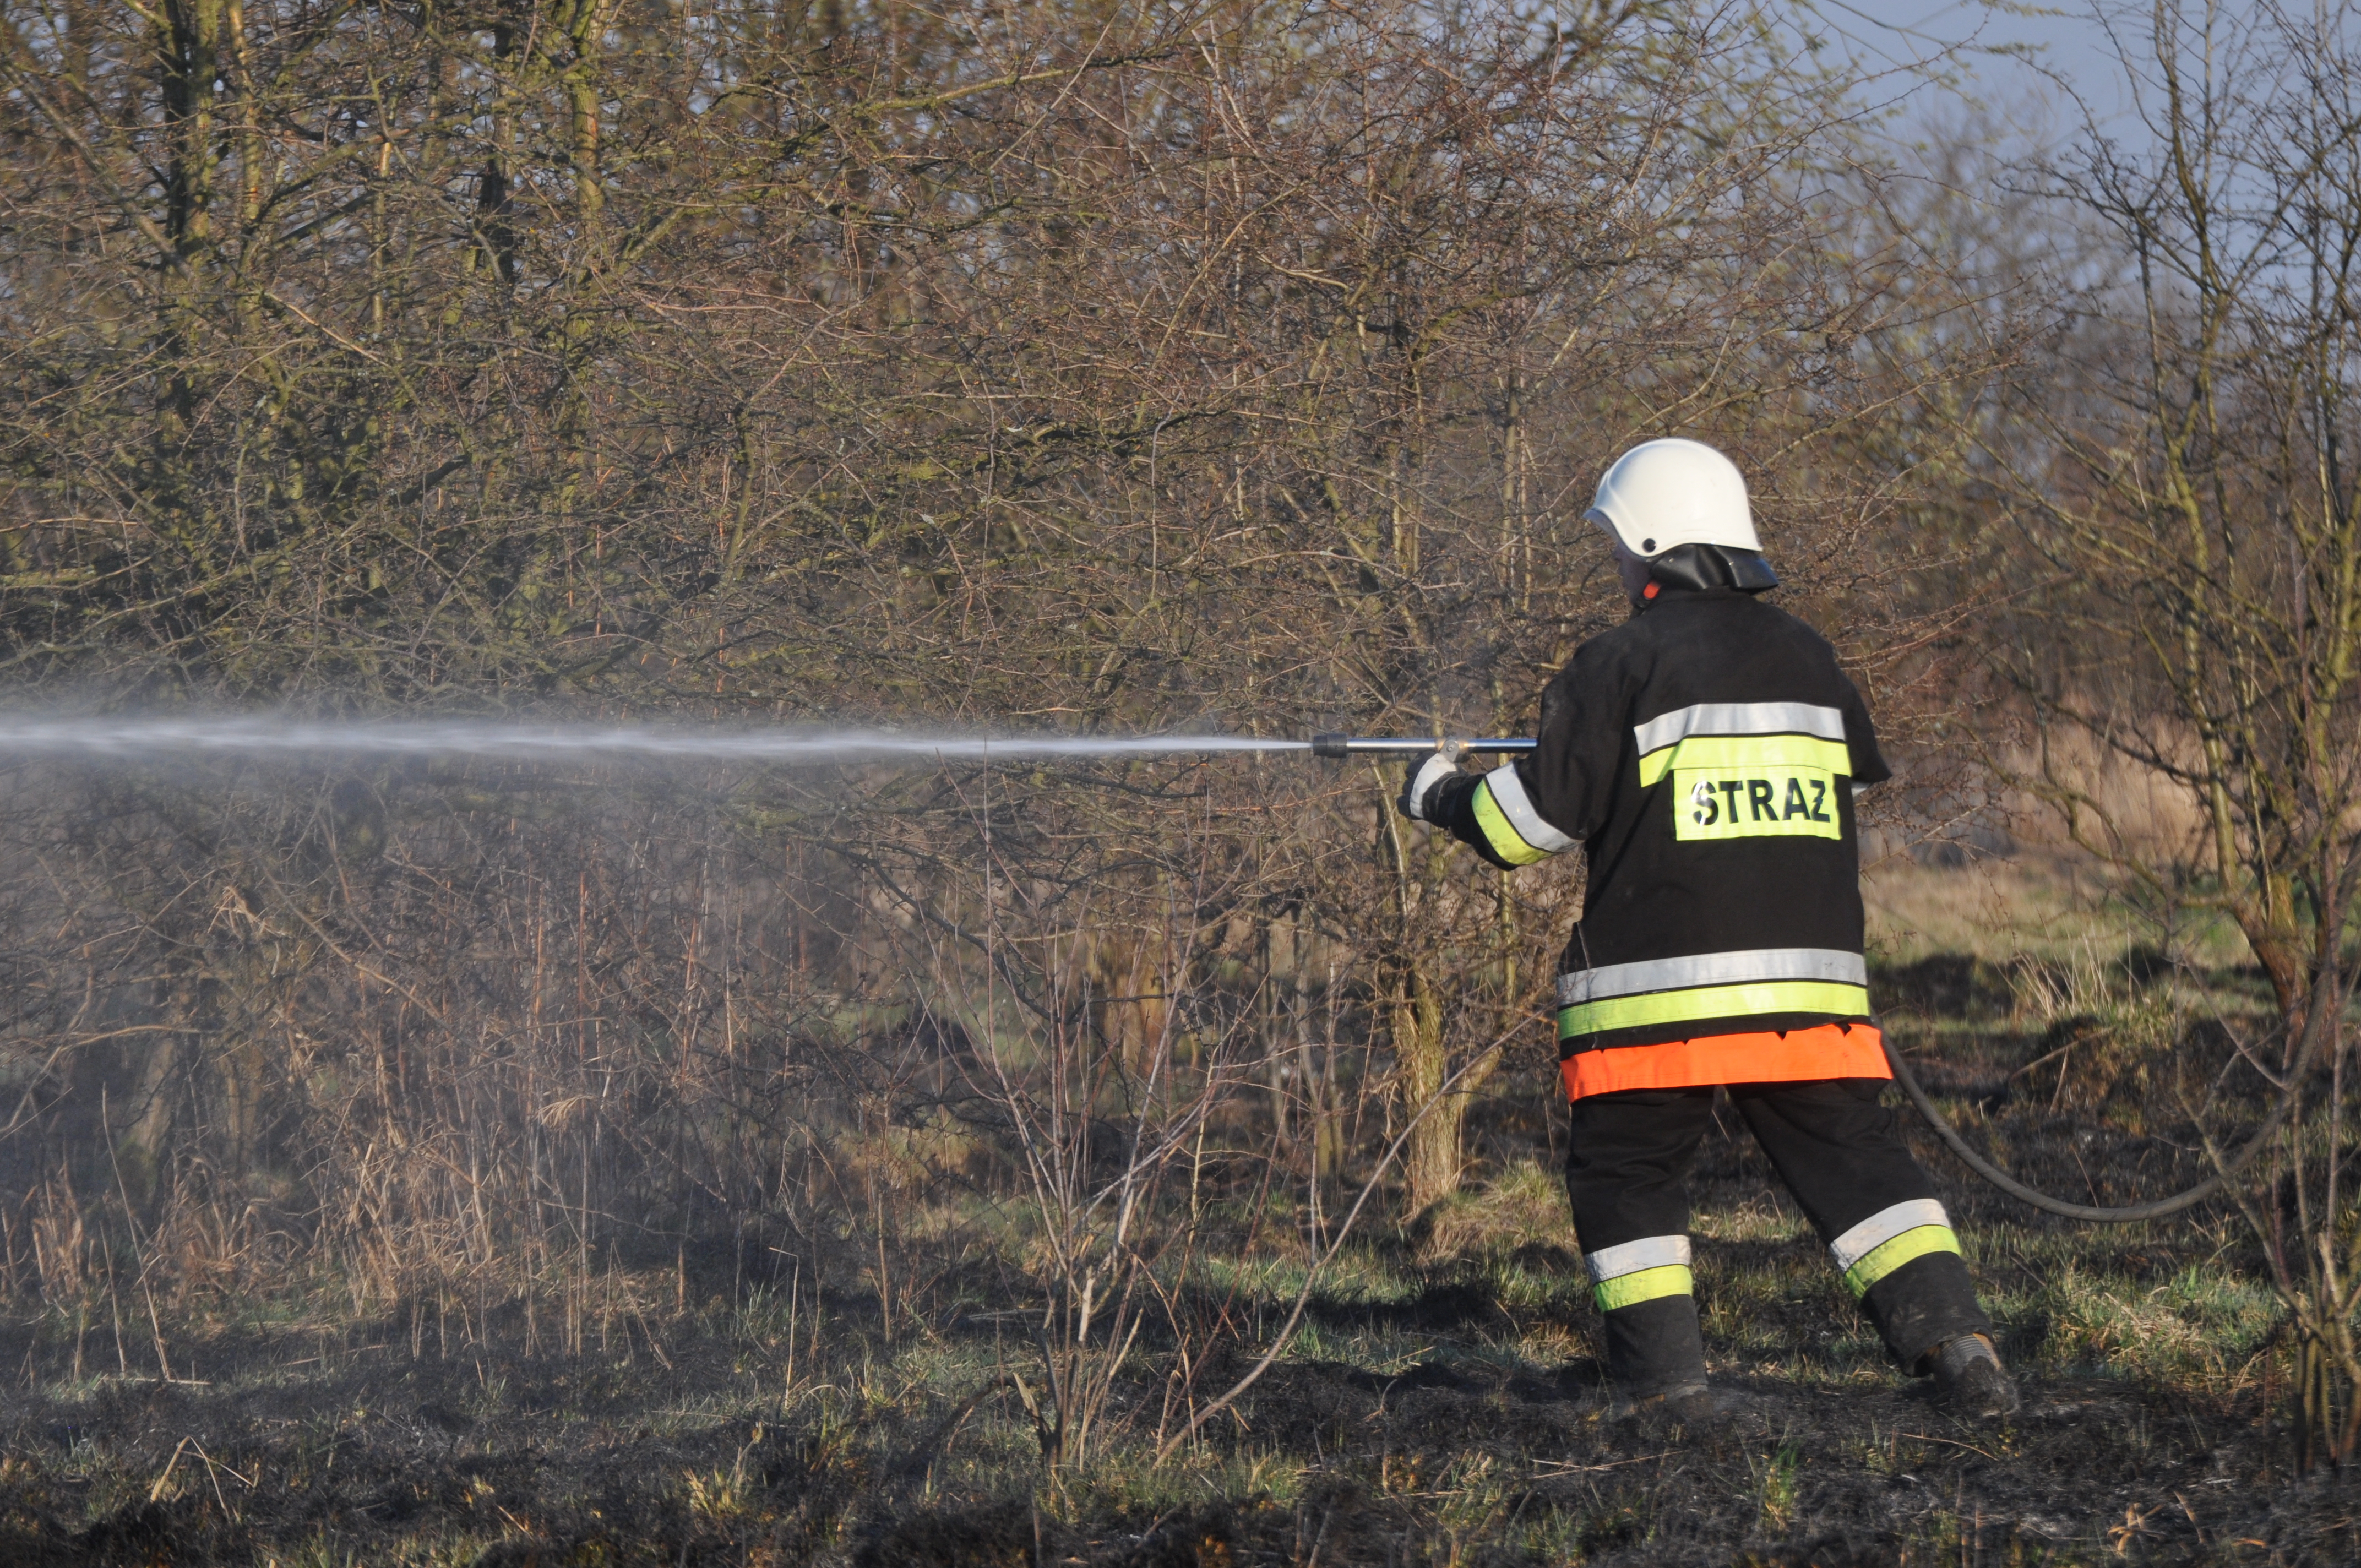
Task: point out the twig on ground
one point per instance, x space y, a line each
212 1465
1952 1443
1552 1467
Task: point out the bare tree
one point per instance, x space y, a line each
2180 493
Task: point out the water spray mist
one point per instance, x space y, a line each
139 736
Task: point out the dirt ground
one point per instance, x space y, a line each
1442 1405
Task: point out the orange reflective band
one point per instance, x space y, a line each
1827 1051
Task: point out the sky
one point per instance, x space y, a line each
2012 61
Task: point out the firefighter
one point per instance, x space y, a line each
1704 755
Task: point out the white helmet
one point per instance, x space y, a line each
1664 493
1681 507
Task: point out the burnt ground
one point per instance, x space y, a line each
1442 1405
380 1458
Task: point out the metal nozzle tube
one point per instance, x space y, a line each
1391 746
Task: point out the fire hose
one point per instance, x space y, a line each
2225 1168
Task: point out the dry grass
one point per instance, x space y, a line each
861 1377
845 1363
2027 904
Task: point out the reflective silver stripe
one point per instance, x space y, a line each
1831 964
1508 795
1740 718
1883 1226
1648 1252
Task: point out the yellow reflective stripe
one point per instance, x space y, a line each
1508 789
1646 1285
1506 841
1882 1227
1629 1257
1737 967
1893 1255
1713 1002
1747 751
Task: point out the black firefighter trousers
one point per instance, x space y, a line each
1840 1153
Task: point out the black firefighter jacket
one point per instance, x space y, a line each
1705 756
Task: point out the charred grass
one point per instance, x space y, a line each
764 1402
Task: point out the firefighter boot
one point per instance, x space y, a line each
1977 1385
1693 1405
1655 1358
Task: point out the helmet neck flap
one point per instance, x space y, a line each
1703 566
